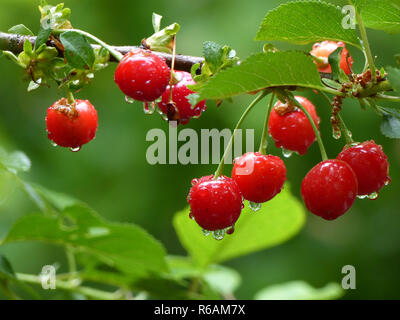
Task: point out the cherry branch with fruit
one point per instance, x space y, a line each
177 87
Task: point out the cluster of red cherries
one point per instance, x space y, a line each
328 190
141 75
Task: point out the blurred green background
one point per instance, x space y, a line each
111 173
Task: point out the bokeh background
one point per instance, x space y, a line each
111 173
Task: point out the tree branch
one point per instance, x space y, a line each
15 44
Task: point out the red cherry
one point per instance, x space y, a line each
370 165
142 75
180 91
325 49
259 177
290 128
215 204
71 126
329 189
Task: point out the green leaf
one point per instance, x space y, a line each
21 30
331 83
42 37
28 47
15 161
6 270
263 70
11 56
390 126
156 20
394 78
78 51
221 279
277 221
303 22
334 61
58 200
300 290
380 14
161 40
218 57
123 246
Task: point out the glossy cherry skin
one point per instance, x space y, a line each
259 177
329 189
292 130
325 49
69 127
180 91
141 75
215 204
370 165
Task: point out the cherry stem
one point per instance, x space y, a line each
221 165
70 98
171 79
292 100
69 251
347 134
118 56
384 97
68 286
264 136
365 44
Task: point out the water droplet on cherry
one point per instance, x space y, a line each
336 134
287 153
230 230
149 107
129 100
373 196
218 234
76 149
255 206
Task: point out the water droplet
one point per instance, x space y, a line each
149 108
364 196
218 234
129 100
206 232
255 206
388 181
230 230
336 134
76 149
54 144
286 153
373 196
